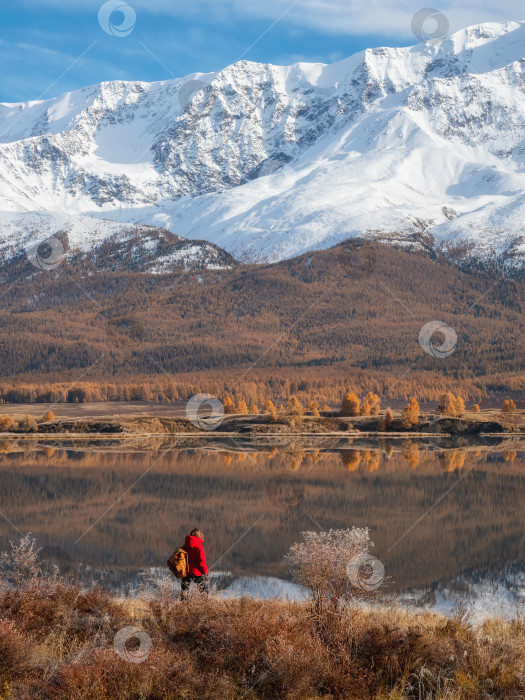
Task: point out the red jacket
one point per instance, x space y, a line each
196 558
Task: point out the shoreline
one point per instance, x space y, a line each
216 434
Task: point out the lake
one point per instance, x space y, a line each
447 517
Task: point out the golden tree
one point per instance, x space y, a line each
365 409
48 417
313 407
6 423
508 406
476 408
272 410
295 407
411 413
450 405
269 406
254 411
229 406
241 407
350 405
374 402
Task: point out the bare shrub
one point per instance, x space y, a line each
26 423
386 420
20 567
320 564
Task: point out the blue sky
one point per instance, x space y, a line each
51 46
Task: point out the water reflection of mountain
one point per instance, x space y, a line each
435 509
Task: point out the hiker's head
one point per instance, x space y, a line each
197 533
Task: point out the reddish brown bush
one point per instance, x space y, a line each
15 652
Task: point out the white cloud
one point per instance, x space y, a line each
387 18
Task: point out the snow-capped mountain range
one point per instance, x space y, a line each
421 146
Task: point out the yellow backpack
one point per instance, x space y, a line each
178 563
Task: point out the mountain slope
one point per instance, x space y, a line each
311 318
50 241
421 146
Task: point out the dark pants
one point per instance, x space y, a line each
201 581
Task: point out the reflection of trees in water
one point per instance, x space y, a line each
453 460
351 459
411 453
57 494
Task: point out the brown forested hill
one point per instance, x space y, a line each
333 316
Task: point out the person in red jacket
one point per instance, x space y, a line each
198 571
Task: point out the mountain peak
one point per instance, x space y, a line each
271 161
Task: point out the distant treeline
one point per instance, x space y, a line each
322 385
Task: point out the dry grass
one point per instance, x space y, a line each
59 643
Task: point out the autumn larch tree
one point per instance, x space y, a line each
295 406
241 407
350 405
508 406
6 423
229 406
450 405
374 402
313 407
365 409
272 410
411 413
